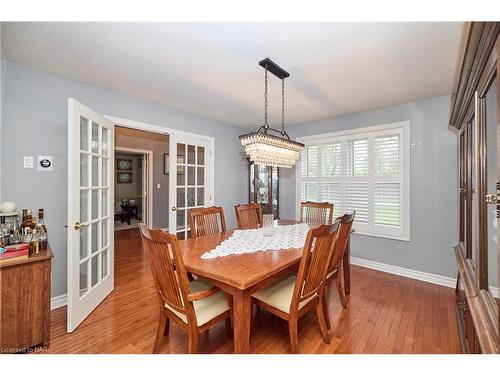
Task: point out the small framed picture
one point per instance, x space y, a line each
124 164
124 178
166 163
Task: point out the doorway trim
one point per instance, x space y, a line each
149 222
132 124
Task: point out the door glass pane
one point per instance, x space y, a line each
200 196
191 154
95 203
84 215
84 134
104 202
83 241
104 233
84 165
95 171
190 197
181 175
181 217
491 183
201 176
84 278
191 174
105 163
94 273
95 237
181 197
95 138
474 193
201 155
105 141
105 263
181 153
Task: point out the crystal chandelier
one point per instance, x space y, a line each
267 149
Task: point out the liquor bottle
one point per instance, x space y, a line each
42 231
28 220
15 234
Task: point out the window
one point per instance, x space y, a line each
367 170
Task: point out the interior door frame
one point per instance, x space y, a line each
149 182
132 124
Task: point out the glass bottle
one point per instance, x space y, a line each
15 233
4 232
28 220
42 231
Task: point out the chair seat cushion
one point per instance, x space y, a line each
207 308
279 295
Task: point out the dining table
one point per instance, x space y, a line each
242 275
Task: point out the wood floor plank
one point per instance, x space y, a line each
386 314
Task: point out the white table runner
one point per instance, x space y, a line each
253 240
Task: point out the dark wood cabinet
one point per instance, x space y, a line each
264 188
476 117
25 303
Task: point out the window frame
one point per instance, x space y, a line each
369 229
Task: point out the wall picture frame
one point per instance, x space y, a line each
124 178
124 164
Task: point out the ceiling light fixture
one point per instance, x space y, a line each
267 149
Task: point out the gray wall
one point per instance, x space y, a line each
434 180
34 118
158 143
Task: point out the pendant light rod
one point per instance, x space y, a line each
274 68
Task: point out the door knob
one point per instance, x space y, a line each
174 208
77 226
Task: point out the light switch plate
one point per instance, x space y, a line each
28 162
158 186
45 163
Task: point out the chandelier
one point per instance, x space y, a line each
267 149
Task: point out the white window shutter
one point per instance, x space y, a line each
357 199
387 205
332 192
386 155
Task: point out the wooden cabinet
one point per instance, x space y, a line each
264 188
25 303
476 117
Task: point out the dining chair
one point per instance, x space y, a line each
335 269
248 215
294 296
317 213
195 305
206 220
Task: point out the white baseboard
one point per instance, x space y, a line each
58 301
412 274
449 282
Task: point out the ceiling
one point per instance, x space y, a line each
211 69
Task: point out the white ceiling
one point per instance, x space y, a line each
212 69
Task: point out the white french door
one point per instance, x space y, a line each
90 213
190 180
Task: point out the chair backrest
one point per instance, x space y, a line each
318 213
169 273
208 220
343 235
248 215
316 256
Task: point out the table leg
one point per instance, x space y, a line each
347 267
242 315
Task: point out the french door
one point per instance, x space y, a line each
190 180
90 214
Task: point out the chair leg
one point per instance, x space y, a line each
162 324
193 341
320 314
167 327
338 281
294 339
325 308
228 326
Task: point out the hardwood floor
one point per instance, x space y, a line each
386 314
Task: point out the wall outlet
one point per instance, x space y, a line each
28 162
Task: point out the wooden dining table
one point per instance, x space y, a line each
242 275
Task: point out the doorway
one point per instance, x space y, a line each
133 173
